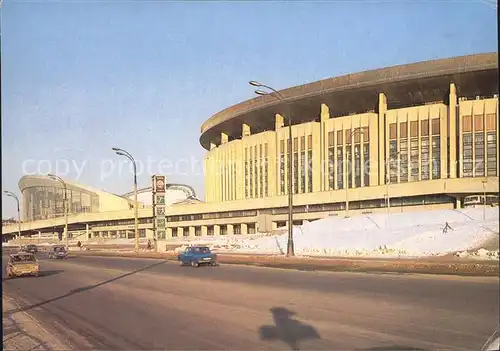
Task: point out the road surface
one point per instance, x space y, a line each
145 304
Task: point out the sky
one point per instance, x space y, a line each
79 78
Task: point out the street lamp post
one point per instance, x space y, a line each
388 182
290 245
54 177
347 175
122 152
484 181
11 194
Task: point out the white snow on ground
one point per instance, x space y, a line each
417 234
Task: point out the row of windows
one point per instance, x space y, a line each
430 156
377 203
122 222
479 122
305 156
473 146
424 128
119 234
356 136
336 166
223 230
214 215
256 171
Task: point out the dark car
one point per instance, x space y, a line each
58 251
31 248
197 256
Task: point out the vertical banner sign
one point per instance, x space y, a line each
159 220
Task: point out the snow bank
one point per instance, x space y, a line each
417 234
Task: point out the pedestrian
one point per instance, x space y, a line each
79 244
446 227
149 244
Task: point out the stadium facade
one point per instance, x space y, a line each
404 138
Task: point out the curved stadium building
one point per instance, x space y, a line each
423 135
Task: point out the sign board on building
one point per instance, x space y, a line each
159 219
159 184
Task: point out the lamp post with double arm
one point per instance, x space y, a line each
59 179
11 194
125 153
290 251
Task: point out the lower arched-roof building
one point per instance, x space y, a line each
43 198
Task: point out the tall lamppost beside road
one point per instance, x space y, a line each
388 182
347 175
11 194
484 181
122 152
290 245
59 179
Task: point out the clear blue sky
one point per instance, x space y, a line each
82 77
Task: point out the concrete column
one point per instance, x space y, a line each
216 229
244 229
279 122
458 202
382 109
452 130
204 231
192 231
39 234
230 229
274 225
224 138
245 130
180 232
325 112
168 233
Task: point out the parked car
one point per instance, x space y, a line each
31 248
58 251
20 264
197 256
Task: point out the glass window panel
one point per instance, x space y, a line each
436 157
340 168
403 130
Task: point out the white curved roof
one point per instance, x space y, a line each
175 193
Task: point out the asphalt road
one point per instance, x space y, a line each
143 304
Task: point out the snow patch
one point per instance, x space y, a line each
410 235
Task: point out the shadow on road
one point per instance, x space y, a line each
82 289
49 273
41 275
392 348
287 329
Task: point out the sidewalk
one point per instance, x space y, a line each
23 332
